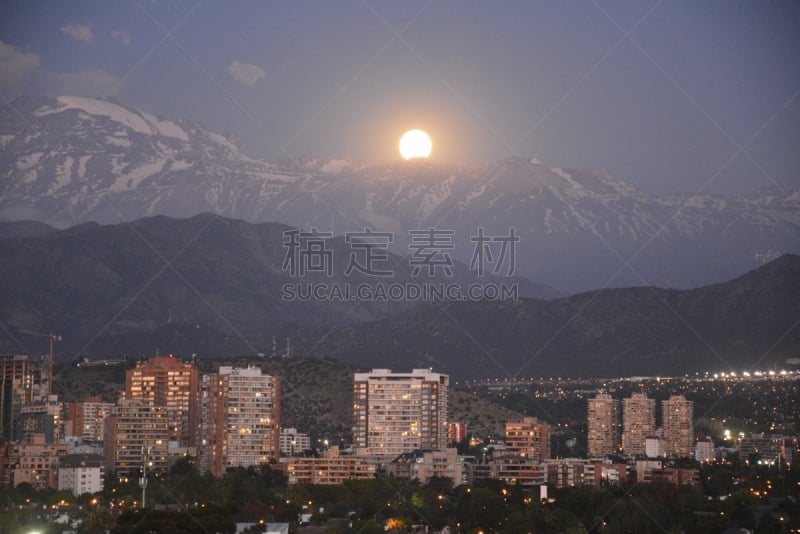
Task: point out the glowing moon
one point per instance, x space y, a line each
415 144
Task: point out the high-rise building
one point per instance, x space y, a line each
395 413
168 381
603 426
136 432
87 419
678 414
529 438
20 384
240 419
639 421
24 368
457 432
43 416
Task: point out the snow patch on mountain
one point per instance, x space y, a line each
166 128
118 141
566 176
335 166
435 196
132 179
82 166
63 176
106 109
26 161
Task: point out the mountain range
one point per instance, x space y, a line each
70 160
752 321
206 282
213 286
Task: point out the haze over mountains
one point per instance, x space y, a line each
71 160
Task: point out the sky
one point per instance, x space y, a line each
669 96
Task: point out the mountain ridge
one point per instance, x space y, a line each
224 274
212 286
70 160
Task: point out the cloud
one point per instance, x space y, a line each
246 73
121 36
15 66
79 32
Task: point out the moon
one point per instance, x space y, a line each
415 144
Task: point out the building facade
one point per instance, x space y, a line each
704 450
43 416
136 432
529 438
395 413
20 384
36 461
333 468
240 419
81 473
766 448
294 442
639 421
603 426
678 415
423 465
86 420
579 471
168 381
457 432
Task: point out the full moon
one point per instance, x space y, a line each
415 144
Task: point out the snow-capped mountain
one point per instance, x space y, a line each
69 160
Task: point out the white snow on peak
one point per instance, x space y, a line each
536 161
167 128
566 176
117 113
141 122
435 196
221 140
336 166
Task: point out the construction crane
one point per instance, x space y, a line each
52 338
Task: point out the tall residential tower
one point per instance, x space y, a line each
603 426
678 426
639 421
395 413
241 419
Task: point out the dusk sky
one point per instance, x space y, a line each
662 95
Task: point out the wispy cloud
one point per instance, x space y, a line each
79 32
15 65
246 73
121 36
